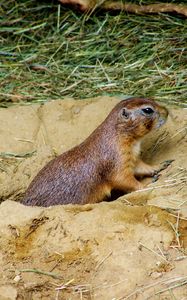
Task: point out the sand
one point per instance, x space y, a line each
131 248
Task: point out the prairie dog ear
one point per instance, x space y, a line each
125 114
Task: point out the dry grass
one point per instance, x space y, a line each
49 52
171 283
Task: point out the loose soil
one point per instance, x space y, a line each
131 248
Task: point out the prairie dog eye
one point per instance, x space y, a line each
148 111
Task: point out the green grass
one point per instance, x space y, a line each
79 56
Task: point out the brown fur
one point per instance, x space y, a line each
108 159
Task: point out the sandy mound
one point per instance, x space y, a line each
132 248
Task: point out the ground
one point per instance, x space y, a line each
134 247
131 248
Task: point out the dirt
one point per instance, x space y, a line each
131 248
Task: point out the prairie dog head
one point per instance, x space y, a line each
138 116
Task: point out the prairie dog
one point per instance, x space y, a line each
108 159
